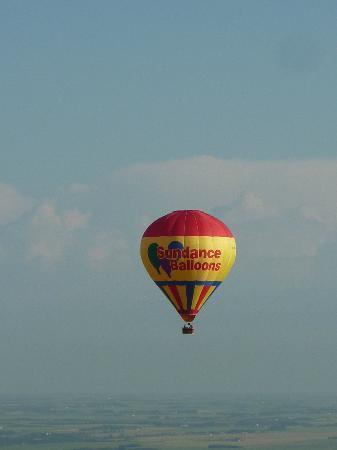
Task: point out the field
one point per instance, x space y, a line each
162 423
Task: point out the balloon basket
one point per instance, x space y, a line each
188 329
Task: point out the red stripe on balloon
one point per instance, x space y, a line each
203 293
187 223
176 295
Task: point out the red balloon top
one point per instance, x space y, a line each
187 222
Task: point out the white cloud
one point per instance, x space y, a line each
251 207
263 187
293 201
285 209
107 249
50 233
322 216
80 188
46 216
75 219
12 204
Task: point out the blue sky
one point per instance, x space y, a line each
114 113
87 86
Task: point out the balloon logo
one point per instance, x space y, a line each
188 254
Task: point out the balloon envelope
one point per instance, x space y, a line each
188 254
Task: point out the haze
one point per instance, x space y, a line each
114 113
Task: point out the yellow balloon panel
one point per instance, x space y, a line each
188 258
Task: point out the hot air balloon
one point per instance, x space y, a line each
188 254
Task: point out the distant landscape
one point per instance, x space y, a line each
138 423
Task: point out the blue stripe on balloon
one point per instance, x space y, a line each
188 283
189 295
